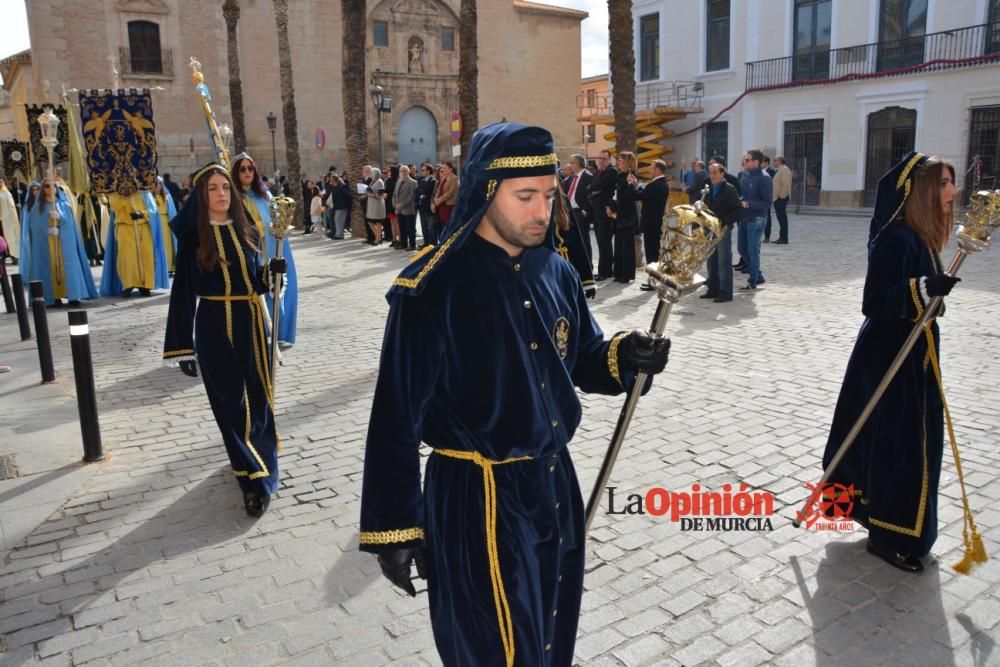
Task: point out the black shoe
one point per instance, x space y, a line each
904 562
74 303
748 288
708 295
598 278
780 242
145 292
412 248
646 287
256 504
739 266
128 292
765 240
723 299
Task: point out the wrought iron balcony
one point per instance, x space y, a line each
950 49
152 65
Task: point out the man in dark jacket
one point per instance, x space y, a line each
602 189
654 202
756 198
579 201
724 202
698 180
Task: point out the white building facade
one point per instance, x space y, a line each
842 88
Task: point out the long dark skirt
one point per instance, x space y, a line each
236 376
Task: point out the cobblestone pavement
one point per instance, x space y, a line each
155 562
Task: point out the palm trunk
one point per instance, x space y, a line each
231 12
290 121
355 98
622 63
468 71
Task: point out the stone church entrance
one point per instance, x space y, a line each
417 137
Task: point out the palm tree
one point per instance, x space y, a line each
622 63
468 71
354 96
231 12
290 120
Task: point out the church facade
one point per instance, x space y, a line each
529 57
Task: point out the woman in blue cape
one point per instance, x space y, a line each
892 470
257 200
52 250
215 316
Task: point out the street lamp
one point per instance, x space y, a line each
272 125
49 125
382 105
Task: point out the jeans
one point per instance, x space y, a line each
754 234
720 267
781 212
339 222
428 225
408 229
741 239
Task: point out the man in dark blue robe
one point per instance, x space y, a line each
487 338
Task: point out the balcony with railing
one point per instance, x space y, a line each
949 49
147 65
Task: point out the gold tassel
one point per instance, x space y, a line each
964 566
978 550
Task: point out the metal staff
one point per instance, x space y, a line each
282 214
689 234
974 236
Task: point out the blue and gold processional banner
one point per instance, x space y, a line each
38 150
120 138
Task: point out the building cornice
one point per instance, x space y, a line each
549 10
10 64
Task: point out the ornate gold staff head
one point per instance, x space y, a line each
690 233
982 218
282 214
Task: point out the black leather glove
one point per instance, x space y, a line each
590 292
940 284
137 215
396 566
189 367
278 265
640 352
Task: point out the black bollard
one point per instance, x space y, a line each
42 331
17 282
8 296
86 396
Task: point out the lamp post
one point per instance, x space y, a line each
272 125
382 105
49 125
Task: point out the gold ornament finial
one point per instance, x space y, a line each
282 215
196 74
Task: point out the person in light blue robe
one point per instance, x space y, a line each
256 199
66 276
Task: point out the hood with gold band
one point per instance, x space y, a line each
893 191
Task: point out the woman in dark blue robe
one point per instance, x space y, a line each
895 463
216 317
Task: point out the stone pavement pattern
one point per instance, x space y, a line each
153 561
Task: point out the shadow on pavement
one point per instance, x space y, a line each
353 572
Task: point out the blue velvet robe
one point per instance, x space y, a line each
35 260
231 346
895 463
485 361
111 285
261 215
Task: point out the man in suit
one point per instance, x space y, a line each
602 189
724 201
577 193
654 202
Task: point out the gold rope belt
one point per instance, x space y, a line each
490 502
258 335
